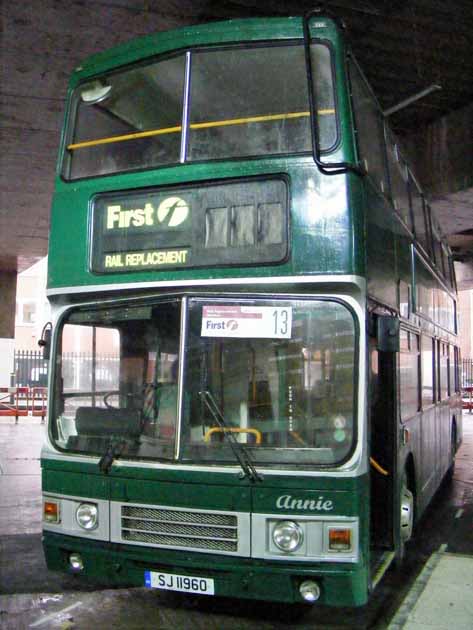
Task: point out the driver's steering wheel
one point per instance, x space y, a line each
116 393
107 396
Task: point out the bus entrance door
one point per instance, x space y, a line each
382 374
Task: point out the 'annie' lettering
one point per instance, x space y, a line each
320 504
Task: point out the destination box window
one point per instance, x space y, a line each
242 223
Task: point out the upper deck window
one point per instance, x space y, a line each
231 103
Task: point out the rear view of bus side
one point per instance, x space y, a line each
254 369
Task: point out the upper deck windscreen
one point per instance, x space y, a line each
202 105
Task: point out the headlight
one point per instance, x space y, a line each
87 516
287 536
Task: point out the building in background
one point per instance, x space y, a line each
32 313
465 311
32 306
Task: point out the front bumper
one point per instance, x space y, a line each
125 565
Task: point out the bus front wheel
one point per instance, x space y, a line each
407 511
406 520
453 451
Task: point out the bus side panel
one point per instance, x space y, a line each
444 421
380 247
428 457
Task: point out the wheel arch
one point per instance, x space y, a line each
454 431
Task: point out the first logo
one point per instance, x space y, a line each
173 211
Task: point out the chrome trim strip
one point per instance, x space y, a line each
170 521
359 281
180 388
315 544
228 470
185 109
68 525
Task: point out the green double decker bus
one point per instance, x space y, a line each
254 368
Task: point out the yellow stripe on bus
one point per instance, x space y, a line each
249 119
128 136
203 125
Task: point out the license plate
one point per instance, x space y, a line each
183 583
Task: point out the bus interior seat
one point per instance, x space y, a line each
96 421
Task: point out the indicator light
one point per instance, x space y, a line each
339 539
51 512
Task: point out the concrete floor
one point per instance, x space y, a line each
32 597
430 604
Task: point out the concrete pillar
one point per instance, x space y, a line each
464 274
443 154
443 158
7 325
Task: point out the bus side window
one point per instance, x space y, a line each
409 374
427 359
421 228
398 178
369 129
443 370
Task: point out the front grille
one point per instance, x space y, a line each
179 528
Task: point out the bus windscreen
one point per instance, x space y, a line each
280 375
243 102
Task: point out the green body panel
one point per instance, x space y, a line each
319 243
343 584
196 495
202 489
81 484
54 469
340 501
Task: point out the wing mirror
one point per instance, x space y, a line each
387 333
45 341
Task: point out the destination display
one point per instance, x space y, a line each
231 223
256 322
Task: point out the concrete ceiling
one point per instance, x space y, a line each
404 46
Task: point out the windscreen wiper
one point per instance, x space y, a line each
241 453
114 450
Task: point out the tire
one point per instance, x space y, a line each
406 516
453 451
406 521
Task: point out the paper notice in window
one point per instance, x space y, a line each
255 322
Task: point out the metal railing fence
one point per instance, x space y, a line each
467 373
31 370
